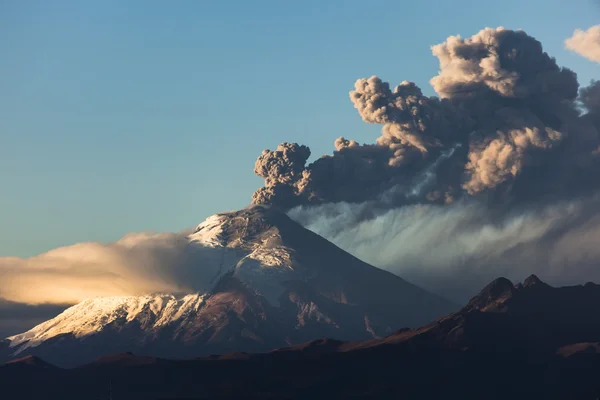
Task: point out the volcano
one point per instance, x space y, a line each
267 283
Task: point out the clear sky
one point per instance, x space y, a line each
148 115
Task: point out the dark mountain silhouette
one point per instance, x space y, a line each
275 283
529 341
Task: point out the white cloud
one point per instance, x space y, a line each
586 43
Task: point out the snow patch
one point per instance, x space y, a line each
267 269
209 232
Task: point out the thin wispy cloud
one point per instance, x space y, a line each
454 250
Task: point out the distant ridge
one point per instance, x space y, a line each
524 341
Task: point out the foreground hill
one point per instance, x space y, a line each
269 283
528 341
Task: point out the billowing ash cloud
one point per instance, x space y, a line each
282 169
498 176
590 99
507 111
586 43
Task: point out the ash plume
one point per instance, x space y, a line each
510 113
498 176
283 170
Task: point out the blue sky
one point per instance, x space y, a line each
148 115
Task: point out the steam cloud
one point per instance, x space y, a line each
507 109
586 43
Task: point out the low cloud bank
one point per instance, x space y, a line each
138 263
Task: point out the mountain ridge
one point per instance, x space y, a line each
503 344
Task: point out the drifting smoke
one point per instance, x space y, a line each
427 177
455 250
586 43
507 110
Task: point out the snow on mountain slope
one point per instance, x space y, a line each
92 316
208 232
266 282
263 261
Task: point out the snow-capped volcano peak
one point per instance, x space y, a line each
209 232
261 281
251 241
246 228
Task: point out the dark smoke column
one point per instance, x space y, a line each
283 172
507 115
